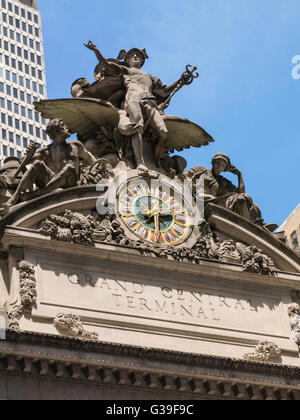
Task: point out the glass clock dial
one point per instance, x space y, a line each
153 213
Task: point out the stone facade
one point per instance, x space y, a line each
290 229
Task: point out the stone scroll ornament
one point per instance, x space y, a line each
27 295
73 325
265 351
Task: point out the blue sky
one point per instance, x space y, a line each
245 96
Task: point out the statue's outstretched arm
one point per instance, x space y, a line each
100 57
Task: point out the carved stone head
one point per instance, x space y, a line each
221 163
134 57
57 128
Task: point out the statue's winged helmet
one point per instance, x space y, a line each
124 55
122 58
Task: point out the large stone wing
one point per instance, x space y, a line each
184 134
82 116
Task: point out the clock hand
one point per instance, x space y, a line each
156 223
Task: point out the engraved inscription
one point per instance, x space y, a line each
186 304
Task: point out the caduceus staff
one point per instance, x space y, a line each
186 79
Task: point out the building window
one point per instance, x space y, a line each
11 152
5 150
11 137
9 105
18 140
294 239
3 118
4 134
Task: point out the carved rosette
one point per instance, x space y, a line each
73 325
27 295
265 351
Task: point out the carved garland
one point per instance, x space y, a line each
27 295
265 351
85 230
294 314
73 325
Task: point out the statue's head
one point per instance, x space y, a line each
221 163
11 164
57 130
133 58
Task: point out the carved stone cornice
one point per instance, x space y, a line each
144 353
146 378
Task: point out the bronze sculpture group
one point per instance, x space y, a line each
120 124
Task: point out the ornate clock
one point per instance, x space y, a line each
154 213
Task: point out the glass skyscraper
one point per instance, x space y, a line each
22 77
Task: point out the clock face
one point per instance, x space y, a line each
153 213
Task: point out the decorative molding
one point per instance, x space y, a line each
27 295
73 325
125 375
264 352
152 354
